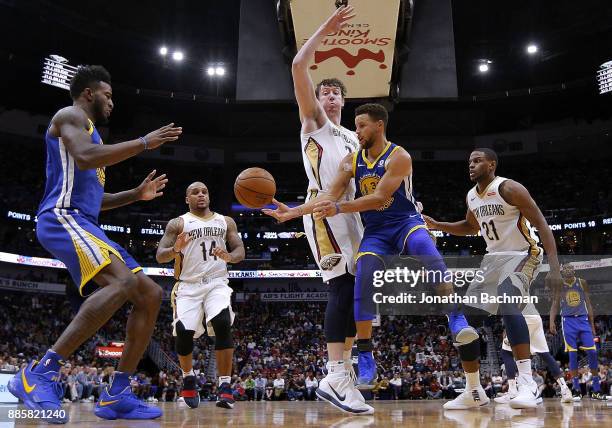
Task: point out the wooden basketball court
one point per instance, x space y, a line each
422 414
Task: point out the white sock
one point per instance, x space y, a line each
336 367
524 369
512 386
472 380
561 382
189 373
224 379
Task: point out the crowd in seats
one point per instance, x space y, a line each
440 186
280 353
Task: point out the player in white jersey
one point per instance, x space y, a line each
502 210
196 241
334 241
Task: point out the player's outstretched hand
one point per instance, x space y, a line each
222 254
430 222
339 19
163 135
182 240
282 213
324 209
151 188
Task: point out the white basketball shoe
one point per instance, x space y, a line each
527 397
468 399
339 390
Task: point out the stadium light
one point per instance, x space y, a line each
483 65
163 51
532 49
220 71
177 56
210 71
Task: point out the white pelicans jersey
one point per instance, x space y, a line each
502 225
196 261
334 241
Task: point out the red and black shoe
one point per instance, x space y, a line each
190 392
226 397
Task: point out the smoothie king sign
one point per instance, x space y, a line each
360 54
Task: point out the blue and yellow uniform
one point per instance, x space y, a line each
396 228
575 318
387 230
68 215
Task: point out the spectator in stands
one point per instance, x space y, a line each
279 387
434 390
269 391
260 387
396 386
84 379
311 384
249 386
293 390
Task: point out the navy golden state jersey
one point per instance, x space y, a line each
573 302
401 205
68 187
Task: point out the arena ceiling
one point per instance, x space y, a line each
573 39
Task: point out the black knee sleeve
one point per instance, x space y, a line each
222 324
470 351
183 340
339 320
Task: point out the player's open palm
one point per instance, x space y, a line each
151 188
339 19
222 254
182 240
163 135
282 212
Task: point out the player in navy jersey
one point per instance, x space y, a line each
393 224
578 327
68 228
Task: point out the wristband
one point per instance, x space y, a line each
337 208
144 141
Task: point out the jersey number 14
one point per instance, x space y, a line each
213 244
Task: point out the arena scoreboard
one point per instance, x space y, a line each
57 72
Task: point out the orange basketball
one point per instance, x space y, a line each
254 187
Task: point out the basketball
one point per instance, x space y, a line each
254 187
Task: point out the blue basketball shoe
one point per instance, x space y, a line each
124 405
367 371
40 392
462 332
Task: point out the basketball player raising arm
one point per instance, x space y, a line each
333 242
196 241
393 225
